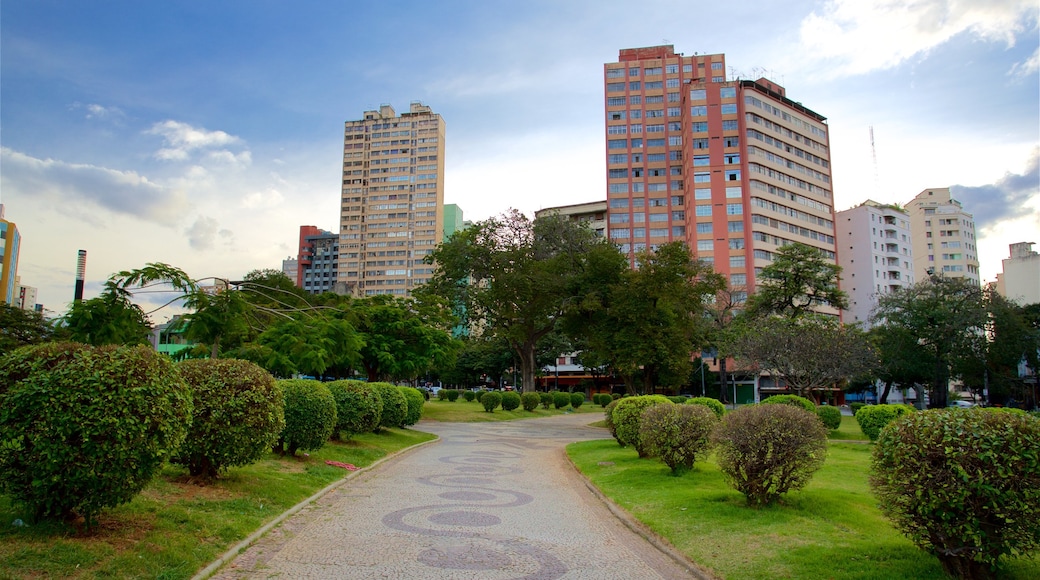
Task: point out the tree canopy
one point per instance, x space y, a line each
799 280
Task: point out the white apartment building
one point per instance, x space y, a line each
1020 279
875 254
943 236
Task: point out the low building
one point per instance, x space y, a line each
1019 280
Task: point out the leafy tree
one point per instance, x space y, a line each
809 352
1011 339
309 345
110 318
22 327
901 359
398 341
799 280
513 277
479 355
946 316
648 321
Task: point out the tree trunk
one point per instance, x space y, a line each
722 380
883 400
526 353
215 349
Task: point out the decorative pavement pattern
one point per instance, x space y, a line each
489 501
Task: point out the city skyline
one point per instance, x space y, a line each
205 135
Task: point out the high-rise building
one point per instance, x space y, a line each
592 214
291 267
10 244
875 255
1019 279
318 260
26 297
734 168
943 236
453 221
392 201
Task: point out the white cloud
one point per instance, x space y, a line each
96 111
181 140
202 235
226 157
121 192
856 37
265 199
1028 68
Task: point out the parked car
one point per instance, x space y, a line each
961 404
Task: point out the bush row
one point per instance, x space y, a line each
511 400
84 428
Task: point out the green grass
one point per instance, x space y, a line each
849 431
174 527
462 411
832 529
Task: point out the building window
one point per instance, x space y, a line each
615 73
672 83
673 97
705 245
737 262
704 228
653 142
699 127
687 68
634 85
699 111
734 192
617 144
635 100
703 210
701 177
729 109
677 200
702 193
671 69
675 140
736 227
619 233
617 102
652 71
619 158
633 72
733 175
618 203
716 66
698 95
615 87
637 143
734 209
736 243
731 158
653 85
732 141
699 144
678 231
619 218
728 92
717 79
701 160
618 173
730 125
674 112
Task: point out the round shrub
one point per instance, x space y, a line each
238 415
715 405
831 416
530 401
616 396
626 417
546 399
873 418
677 433
395 406
1009 410
601 399
453 395
577 399
792 400
310 415
608 419
767 450
510 401
479 395
84 428
962 484
561 399
442 395
490 400
415 401
469 396
855 407
358 407
677 399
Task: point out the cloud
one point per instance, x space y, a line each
859 37
181 140
202 235
265 199
1027 68
122 192
95 111
1009 197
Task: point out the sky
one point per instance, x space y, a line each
203 134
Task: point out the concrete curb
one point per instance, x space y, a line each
642 530
234 551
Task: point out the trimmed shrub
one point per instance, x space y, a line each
415 401
310 415
577 399
616 396
442 395
395 406
873 418
715 405
792 400
490 400
546 399
469 396
608 419
530 401
84 428
855 407
510 401
601 399
677 400
238 416
561 399
962 484
358 407
1009 410
453 395
831 416
479 395
626 417
767 450
677 433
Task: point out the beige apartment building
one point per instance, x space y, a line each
943 236
592 214
1019 279
734 168
393 199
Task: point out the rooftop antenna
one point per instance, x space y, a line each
873 153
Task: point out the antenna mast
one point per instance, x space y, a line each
873 153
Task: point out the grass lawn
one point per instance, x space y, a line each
831 529
174 527
462 411
849 431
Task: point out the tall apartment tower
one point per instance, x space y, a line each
393 199
10 245
943 236
875 255
317 260
734 168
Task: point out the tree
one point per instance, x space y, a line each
513 277
21 327
1011 339
110 318
810 353
647 322
945 316
398 342
309 345
799 280
901 359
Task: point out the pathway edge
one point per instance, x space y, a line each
235 550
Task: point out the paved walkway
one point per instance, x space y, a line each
489 501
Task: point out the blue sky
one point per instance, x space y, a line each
203 134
